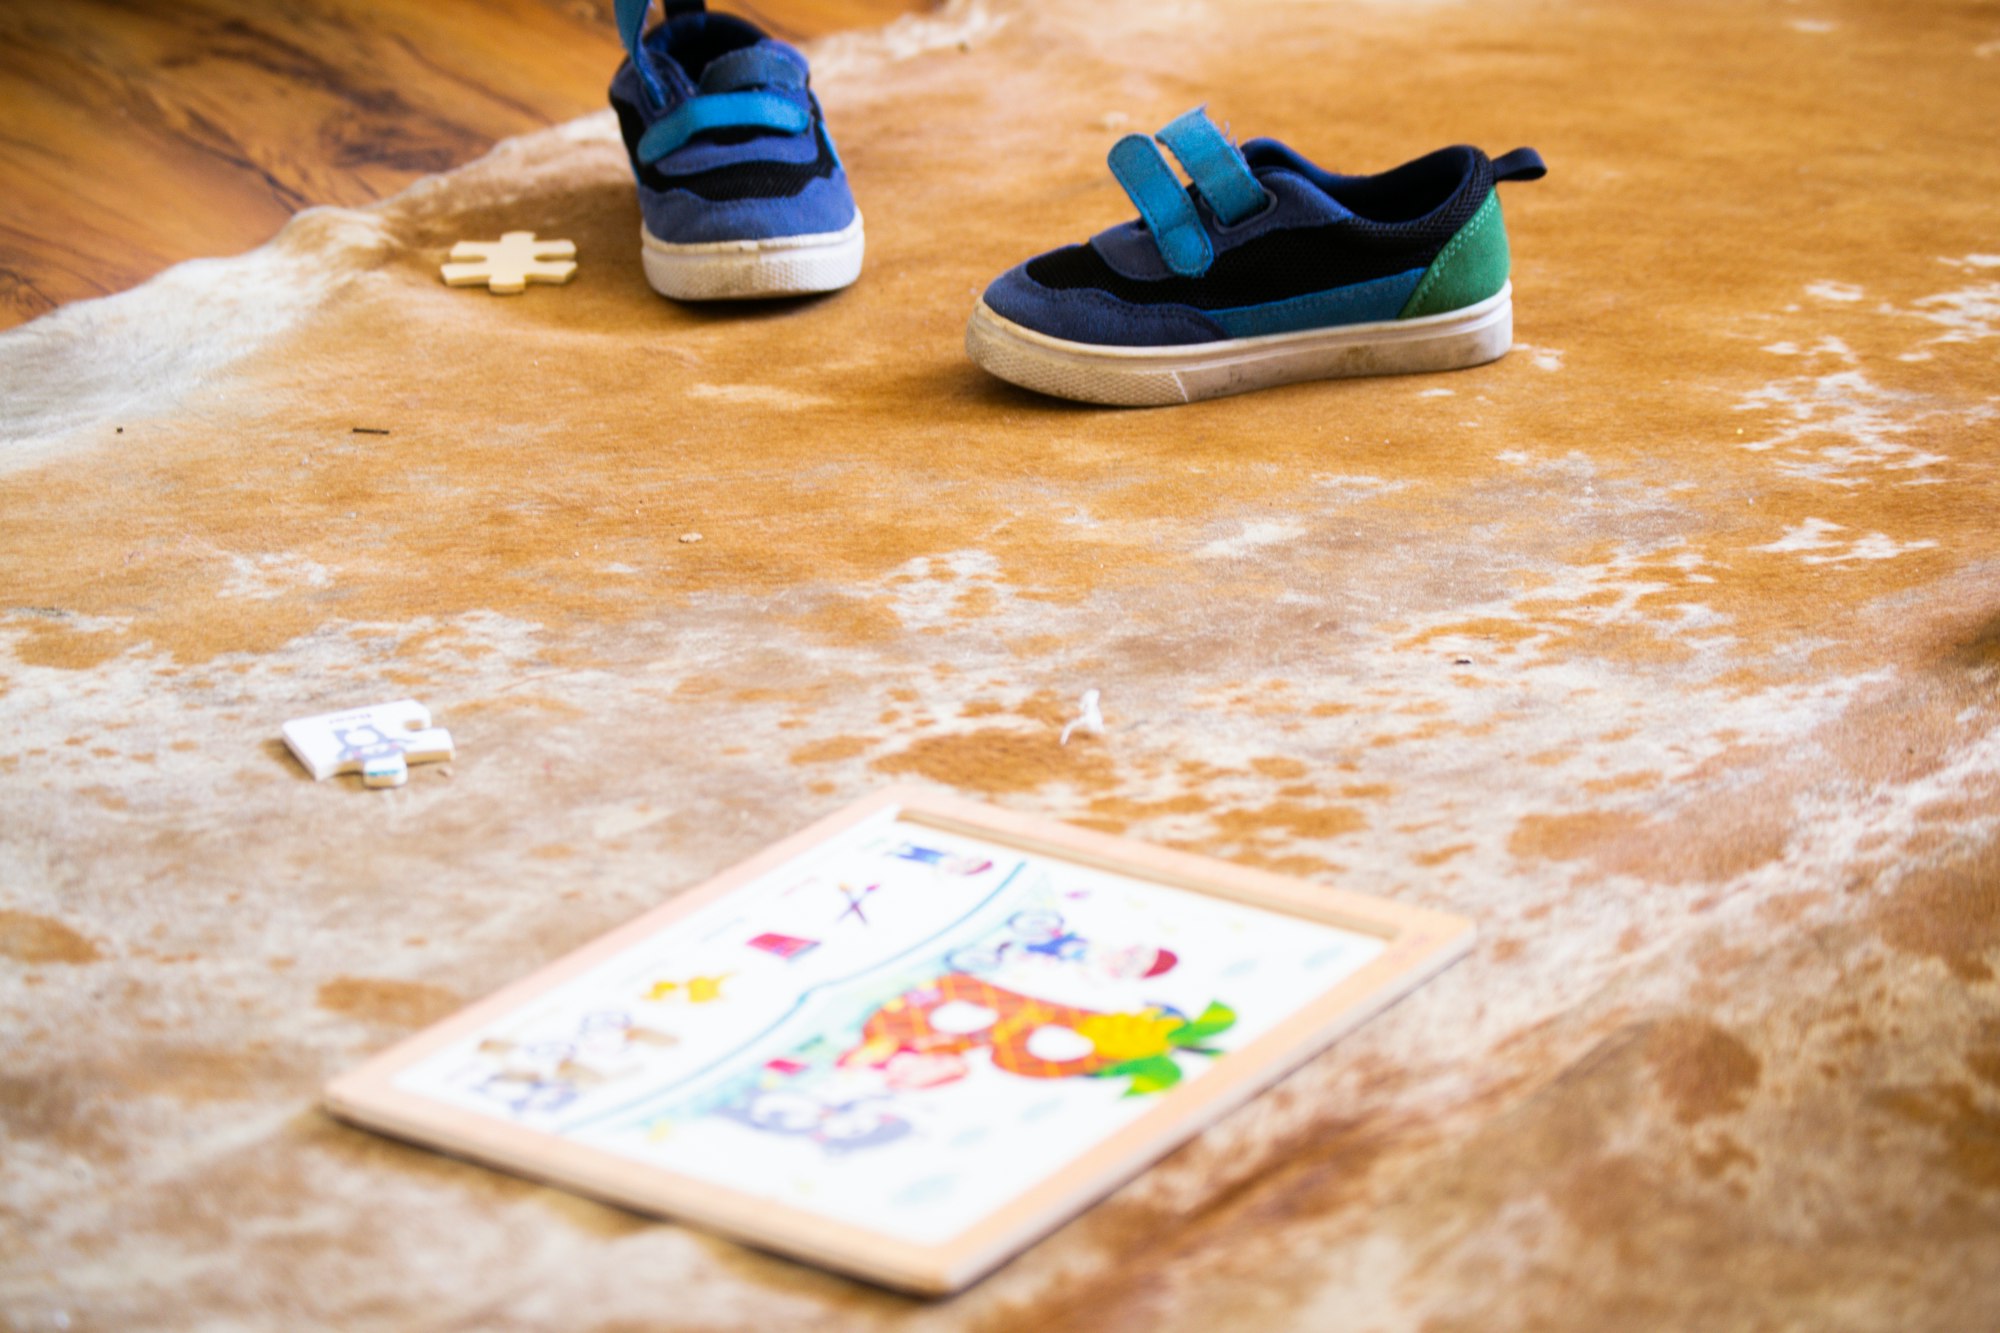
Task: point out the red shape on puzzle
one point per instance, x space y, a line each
785 946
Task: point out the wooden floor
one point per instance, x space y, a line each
137 133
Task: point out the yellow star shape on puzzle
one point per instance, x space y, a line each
696 990
509 264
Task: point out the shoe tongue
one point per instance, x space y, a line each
1267 155
764 65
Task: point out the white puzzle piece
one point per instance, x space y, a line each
509 264
379 742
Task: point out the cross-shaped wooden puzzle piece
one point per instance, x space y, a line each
509 264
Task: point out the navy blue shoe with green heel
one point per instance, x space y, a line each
1263 270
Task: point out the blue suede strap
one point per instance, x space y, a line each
1141 168
1523 164
759 66
721 111
1215 167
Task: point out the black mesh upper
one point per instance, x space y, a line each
1287 262
739 180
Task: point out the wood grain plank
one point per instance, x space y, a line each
138 133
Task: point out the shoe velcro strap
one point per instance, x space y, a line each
1523 164
632 16
1215 166
722 111
760 66
1142 169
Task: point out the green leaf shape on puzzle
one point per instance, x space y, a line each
1216 1018
1472 266
1151 1073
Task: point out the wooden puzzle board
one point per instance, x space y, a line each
909 1040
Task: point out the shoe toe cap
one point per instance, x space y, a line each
1089 315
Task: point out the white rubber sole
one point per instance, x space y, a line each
749 270
1160 376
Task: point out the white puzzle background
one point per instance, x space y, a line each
713 1048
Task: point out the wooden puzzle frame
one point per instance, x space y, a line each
1418 943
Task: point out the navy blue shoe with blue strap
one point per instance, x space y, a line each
1264 270
742 192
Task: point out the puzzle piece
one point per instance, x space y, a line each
697 990
509 264
786 947
379 742
857 902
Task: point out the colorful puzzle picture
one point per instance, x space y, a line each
901 1031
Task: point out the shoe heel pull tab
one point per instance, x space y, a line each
1523 164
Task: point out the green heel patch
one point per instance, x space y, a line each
1472 266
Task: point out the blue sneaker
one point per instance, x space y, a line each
742 192
1267 270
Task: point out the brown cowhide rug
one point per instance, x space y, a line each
1666 648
